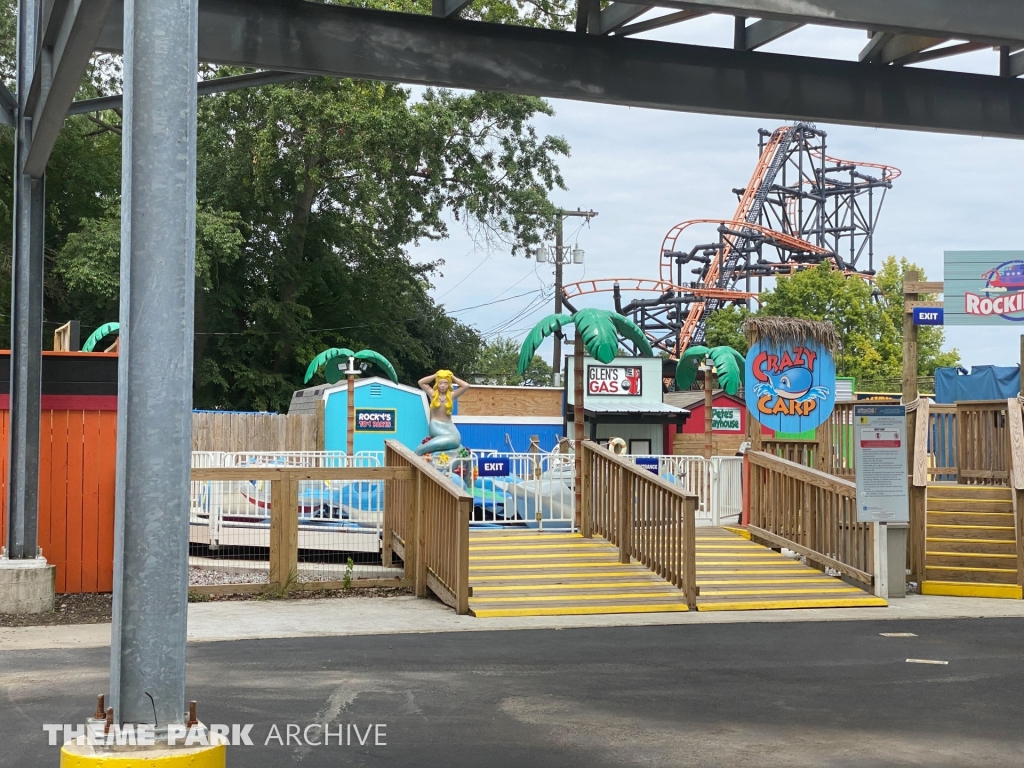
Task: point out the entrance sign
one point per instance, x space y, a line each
984 287
376 419
725 420
880 457
928 316
791 387
614 380
650 463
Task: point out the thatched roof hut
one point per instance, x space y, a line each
781 330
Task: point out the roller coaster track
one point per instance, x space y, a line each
742 234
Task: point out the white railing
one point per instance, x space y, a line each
533 490
726 487
716 483
336 515
536 490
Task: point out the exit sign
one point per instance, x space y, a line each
927 316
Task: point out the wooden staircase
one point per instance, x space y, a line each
971 547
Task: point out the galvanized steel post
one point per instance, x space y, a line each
26 314
155 375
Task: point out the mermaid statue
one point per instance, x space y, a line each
444 436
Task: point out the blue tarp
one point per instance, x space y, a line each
984 382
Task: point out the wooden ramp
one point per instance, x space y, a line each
736 574
526 573
971 542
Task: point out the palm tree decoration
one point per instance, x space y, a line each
366 355
597 332
724 361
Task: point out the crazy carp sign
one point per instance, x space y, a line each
791 387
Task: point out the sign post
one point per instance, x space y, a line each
880 458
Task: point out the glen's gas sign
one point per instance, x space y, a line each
614 380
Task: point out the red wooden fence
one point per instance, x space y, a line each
76 495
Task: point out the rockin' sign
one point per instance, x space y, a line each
791 387
983 287
614 380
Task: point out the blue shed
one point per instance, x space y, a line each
384 411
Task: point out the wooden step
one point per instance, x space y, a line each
989 546
971 531
942 559
974 576
969 505
970 518
955 491
968 589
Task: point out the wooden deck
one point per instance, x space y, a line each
526 573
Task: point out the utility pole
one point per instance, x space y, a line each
562 257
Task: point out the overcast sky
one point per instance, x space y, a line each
645 170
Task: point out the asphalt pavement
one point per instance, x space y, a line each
788 694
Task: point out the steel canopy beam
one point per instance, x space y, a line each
343 41
763 32
204 88
990 21
58 72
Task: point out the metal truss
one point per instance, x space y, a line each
800 208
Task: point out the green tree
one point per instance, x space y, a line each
868 317
498 364
310 197
724 328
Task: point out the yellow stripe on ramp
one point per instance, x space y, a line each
577 610
781 605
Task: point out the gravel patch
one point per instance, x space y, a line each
68 609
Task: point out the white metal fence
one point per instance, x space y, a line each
716 483
339 521
343 519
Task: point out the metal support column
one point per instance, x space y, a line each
154 418
26 314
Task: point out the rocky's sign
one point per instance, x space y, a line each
983 287
790 387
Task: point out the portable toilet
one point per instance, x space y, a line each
384 411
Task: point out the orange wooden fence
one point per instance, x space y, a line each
76 495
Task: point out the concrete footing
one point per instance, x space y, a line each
87 756
26 586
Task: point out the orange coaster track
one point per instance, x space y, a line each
805 221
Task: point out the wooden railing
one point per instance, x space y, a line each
803 452
645 516
812 513
426 523
982 442
1015 428
284 519
836 438
941 442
